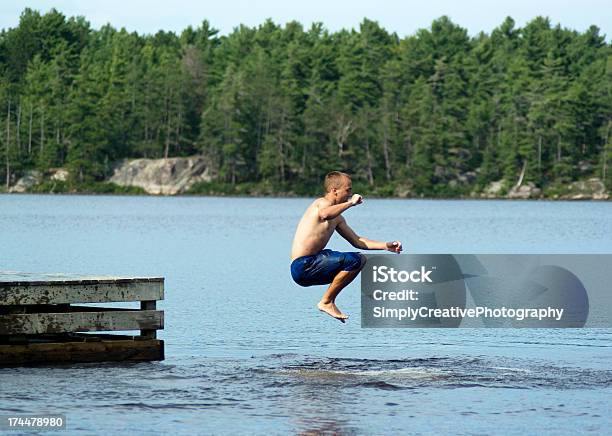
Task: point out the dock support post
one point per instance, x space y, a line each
148 305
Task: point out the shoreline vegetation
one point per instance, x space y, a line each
521 112
574 192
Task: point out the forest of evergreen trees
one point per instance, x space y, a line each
439 113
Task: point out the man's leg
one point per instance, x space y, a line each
341 280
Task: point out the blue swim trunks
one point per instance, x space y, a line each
321 268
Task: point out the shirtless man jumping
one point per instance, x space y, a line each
312 265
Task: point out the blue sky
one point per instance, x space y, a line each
403 17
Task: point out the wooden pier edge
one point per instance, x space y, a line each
42 320
81 352
81 291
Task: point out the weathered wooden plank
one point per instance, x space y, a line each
42 323
67 337
10 278
81 352
82 292
59 308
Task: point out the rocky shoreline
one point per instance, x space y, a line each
178 176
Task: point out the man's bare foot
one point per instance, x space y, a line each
332 310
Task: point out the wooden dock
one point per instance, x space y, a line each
43 321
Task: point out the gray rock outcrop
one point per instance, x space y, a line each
528 190
591 189
29 180
493 190
162 176
59 174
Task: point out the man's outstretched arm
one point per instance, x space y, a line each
364 243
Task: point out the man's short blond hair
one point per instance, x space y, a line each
334 180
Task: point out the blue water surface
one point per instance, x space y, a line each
248 353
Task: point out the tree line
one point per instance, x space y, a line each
437 112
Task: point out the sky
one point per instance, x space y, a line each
402 17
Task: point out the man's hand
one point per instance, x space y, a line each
356 199
394 247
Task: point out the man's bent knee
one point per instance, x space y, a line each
352 262
364 260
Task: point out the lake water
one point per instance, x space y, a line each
246 351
